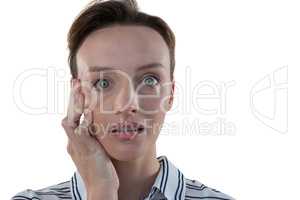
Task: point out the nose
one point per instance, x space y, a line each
126 101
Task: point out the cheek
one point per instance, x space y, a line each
156 103
148 104
92 98
98 102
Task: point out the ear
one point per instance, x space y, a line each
171 97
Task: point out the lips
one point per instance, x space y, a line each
128 127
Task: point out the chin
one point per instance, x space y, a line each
122 152
124 156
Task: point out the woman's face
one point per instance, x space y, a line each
119 90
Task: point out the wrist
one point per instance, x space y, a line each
107 193
102 196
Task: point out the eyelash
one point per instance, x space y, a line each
94 84
152 75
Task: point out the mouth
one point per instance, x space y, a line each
127 130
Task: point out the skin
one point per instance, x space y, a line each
128 168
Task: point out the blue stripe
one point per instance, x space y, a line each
77 186
72 182
153 192
182 185
167 176
23 197
206 197
163 175
178 184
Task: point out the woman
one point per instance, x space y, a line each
122 63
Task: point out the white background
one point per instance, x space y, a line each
250 44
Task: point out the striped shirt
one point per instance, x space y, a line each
170 184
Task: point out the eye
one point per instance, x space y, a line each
150 80
102 84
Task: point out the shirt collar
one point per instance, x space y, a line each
169 183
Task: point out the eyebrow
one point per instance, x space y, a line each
103 68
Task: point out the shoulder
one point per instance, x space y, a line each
54 192
197 190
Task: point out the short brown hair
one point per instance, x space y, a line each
100 14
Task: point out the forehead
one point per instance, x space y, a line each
126 47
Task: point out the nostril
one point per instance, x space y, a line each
133 110
128 109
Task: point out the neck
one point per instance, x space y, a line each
136 177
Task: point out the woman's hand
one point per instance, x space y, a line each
89 156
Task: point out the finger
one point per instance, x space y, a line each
76 104
69 148
69 130
72 120
86 127
84 122
88 111
89 117
86 118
